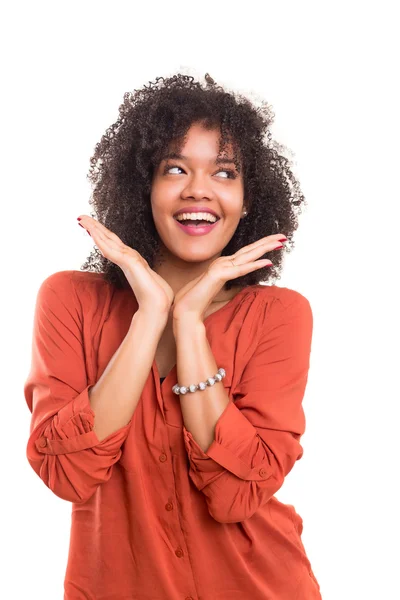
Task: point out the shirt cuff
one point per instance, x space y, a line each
229 451
71 429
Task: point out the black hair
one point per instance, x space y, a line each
159 115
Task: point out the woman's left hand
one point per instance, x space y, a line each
192 301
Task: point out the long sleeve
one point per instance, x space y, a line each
62 448
257 437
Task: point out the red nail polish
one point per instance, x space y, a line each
78 219
80 225
282 240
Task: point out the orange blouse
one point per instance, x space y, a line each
153 516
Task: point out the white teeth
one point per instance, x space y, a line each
196 216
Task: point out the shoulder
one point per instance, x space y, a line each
279 323
71 286
62 280
276 300
284 295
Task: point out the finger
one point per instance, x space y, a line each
270 239
108 247
249 267
94 225
257 252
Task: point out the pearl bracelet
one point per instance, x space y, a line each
200 386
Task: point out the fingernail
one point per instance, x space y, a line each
278 247
282 240
79 219
80 225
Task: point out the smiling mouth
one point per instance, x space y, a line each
196 222
192 227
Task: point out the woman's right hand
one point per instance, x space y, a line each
152 292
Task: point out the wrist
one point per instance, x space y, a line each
187 323
155 320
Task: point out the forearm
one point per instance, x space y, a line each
116 394
195 362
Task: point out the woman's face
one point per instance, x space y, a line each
196 180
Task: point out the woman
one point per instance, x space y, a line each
167 381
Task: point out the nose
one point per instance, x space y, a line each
198 187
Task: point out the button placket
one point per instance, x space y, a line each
169 506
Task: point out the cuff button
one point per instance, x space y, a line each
43 442
262 472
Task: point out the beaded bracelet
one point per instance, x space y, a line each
200 386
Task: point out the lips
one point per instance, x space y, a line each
197 229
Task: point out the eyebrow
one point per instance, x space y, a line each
176 155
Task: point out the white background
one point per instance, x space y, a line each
329 69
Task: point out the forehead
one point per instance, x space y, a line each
200 144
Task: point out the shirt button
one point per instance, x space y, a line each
162 457
168 506
262 472
43 442
179 553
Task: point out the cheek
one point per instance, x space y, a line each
157 201
162 194
232 210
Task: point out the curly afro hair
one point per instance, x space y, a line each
159 115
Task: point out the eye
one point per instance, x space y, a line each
168 168
230 172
